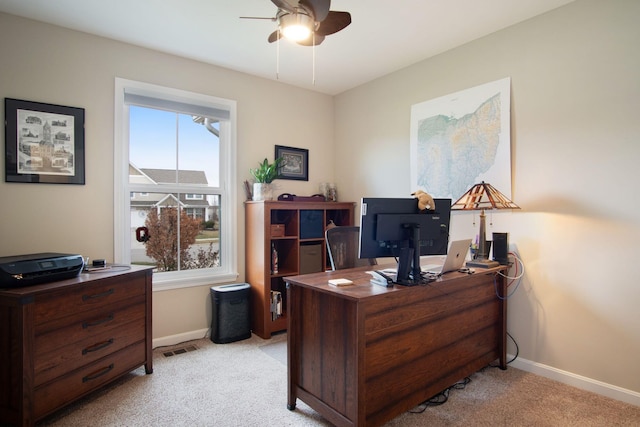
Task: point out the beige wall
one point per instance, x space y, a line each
575 98
53 65
575 90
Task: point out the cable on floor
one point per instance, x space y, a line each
440 398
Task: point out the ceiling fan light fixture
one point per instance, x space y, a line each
296 26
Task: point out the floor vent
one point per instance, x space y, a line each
180 350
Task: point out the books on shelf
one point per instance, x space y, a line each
276 304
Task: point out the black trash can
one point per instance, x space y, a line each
230 307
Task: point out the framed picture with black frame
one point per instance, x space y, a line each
295 163
44 143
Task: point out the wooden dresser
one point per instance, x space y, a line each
62 340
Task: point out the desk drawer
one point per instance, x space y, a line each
62 359
55 394
89 297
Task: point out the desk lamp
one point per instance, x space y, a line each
480 197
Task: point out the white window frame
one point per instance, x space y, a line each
228 187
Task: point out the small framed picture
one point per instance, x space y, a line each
44 143
295 163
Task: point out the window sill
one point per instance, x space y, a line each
164 282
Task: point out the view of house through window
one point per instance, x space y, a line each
175 196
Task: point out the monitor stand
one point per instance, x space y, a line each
409 272
403 277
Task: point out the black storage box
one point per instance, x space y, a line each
230 308
311 224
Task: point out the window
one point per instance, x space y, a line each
174 157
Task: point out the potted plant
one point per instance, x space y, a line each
264 174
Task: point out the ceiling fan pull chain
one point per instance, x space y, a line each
313 59
278 57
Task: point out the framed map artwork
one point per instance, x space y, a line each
462 139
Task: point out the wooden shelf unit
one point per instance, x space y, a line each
301 249
65 339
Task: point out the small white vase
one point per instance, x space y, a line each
262 191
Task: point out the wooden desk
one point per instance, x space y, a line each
362 355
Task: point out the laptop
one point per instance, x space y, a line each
456 256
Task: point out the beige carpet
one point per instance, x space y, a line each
245 384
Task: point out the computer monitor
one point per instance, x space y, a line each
395 227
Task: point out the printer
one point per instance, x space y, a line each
26 270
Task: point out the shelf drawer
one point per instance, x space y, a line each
56 305
55 394
64 358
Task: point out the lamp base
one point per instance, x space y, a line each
482 263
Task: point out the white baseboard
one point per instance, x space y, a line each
578 381
177 339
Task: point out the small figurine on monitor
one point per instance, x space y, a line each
425 201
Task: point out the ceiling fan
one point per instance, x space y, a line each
306 22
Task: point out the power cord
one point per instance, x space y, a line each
518 276
515 356
513 279
442 397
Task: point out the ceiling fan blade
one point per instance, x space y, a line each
312 41
258 17
335 22
282 4
320 8
273 37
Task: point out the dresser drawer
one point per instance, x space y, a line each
56 305
66 330
77 383
66 358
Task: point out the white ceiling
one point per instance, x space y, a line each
384 36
